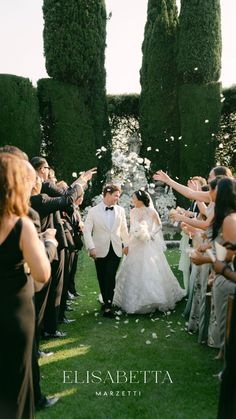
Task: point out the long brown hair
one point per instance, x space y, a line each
13 193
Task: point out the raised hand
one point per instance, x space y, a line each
194 185
162 177
86 176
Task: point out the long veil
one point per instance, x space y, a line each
159 238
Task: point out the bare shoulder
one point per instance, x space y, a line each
230 220
27 224
229 227
28 233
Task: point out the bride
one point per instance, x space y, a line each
145 281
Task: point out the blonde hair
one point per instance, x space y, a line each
13 193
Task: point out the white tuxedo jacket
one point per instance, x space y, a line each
98 234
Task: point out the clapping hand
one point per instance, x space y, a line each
203 247
193 185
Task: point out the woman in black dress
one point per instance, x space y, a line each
19 244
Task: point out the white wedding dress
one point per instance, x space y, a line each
144 280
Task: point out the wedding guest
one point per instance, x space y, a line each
227 399
48 208
19 243
198 301
72 225
188 191
50 244
78 227
193 210
223 230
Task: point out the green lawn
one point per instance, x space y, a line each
106 347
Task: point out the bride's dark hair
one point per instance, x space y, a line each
143 197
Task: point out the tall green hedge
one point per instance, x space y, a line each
69 140
200 108
74 46
159 121
126 105
19 114
199 54
199 63
74 40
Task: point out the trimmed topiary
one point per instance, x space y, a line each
69 140
200 108
19 114
159 120
199 46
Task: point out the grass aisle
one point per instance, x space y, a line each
135 343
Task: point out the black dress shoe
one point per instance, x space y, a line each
46 402
109 314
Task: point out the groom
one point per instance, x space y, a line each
105 233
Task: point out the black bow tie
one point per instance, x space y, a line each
109 208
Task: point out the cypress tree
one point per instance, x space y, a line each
199 63
159 121
199 53
74 45
74 40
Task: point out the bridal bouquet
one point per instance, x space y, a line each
140 231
